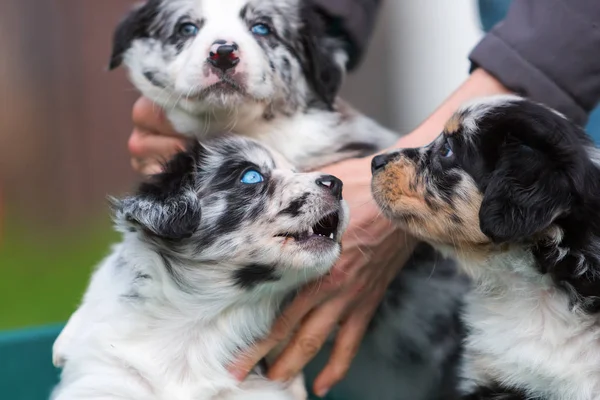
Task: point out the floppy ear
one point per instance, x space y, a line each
525 194
135 25
324 56
166 206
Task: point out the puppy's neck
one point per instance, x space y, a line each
214 322
493 269
308 138
564 258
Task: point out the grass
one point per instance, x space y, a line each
42 278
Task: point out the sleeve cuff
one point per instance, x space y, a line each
517 74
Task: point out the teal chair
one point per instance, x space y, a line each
26 370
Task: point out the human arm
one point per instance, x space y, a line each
374 251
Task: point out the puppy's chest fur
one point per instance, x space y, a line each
307 139
137 346
522 333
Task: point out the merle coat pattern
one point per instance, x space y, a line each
206 259
278 81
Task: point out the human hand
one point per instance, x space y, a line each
153 140
370 240
373 253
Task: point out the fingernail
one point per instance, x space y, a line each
153 170
323 392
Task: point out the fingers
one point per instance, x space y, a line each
148 116
348 282
153 141
150 152
307 342
346 345
146 166
281 330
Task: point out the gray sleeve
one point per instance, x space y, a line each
547 50
353 20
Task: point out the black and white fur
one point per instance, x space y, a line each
512 190
205 263
282 89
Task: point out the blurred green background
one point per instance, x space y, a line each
64 125
43 278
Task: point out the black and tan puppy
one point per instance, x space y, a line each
511 189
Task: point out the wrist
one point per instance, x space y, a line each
479 84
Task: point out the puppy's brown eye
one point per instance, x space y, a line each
446 150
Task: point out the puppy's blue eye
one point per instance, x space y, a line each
260 29
188 29
446 150
252 176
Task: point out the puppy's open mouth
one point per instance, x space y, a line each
325 228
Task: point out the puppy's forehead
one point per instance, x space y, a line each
235 149
219 8
279 8
468 117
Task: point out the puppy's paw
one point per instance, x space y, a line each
59 348
58 354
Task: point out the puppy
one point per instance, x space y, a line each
211 248
511 190
267 69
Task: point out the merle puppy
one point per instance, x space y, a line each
211 247
267 69
512 190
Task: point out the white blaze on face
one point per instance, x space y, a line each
221 22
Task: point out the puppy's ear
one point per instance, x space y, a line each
167 205
324 56
525 194
135 25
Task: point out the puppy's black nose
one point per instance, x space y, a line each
332 184
224 55
379 162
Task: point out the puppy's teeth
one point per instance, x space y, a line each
310 231
331 236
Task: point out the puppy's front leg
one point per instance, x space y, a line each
256 387
59 348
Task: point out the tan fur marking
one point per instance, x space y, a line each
453 124
402 194
398 184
